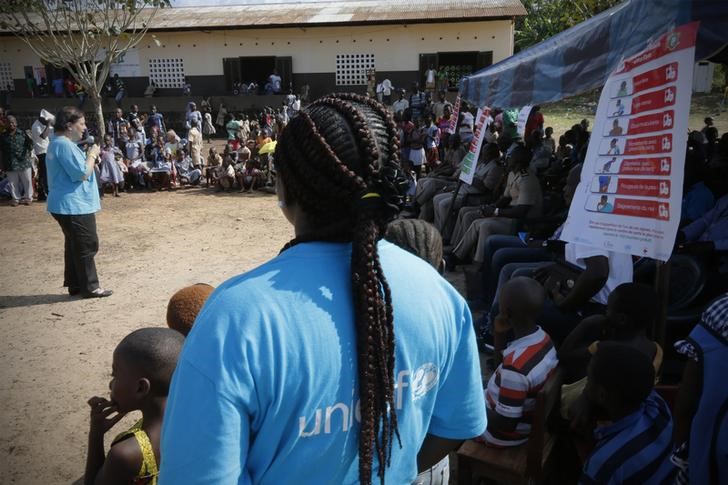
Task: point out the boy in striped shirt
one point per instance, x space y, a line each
528 361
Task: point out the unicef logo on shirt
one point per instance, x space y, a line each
424 379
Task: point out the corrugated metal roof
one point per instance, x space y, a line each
332 13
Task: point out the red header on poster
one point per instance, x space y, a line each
646 166
680 38
644 187
651 123
654 100
452 129
654 78
650 209
649 144
476 143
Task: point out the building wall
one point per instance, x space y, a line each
313 50
703 77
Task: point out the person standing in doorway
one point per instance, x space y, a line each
275 82
73 200
120 90
40 132
430 80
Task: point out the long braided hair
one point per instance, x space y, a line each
338 161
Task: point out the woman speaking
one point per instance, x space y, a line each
73 201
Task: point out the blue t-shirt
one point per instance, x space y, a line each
266 390
68 192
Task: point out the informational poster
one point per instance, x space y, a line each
127 64
467 169
629 198
452 129
523 119
39 73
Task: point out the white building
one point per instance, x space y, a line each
328 46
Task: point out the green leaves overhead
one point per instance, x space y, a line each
547 18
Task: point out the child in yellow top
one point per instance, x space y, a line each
142 369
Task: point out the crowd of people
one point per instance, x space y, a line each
548 303
346 168
140 152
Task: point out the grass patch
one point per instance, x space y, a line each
563 114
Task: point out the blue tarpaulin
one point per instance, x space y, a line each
581 58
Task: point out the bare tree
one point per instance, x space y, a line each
83 36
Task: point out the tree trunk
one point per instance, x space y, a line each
99 114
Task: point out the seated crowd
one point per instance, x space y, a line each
586 312
151 156
140 152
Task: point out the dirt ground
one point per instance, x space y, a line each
55 350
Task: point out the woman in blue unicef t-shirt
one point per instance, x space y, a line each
345 359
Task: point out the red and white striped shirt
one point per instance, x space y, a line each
511 393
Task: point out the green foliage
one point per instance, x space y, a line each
547 18
720 78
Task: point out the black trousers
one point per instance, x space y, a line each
42 188
81 245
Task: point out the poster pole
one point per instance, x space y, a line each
662 285
452 204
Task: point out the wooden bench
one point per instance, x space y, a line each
518 464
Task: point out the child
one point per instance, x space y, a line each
549 139
162 167
528 362
109 171
432 142
226 180
135 159
634 435
250 177
186 168
184 306
141 373
214 163
631 310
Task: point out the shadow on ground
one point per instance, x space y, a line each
32 300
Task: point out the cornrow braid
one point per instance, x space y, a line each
332 158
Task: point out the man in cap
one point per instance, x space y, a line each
40 133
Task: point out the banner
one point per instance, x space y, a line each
629 198
580 59
523 119
467 169
453 128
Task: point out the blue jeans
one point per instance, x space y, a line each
502 250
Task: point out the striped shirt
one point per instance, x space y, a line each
511 393
635 449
